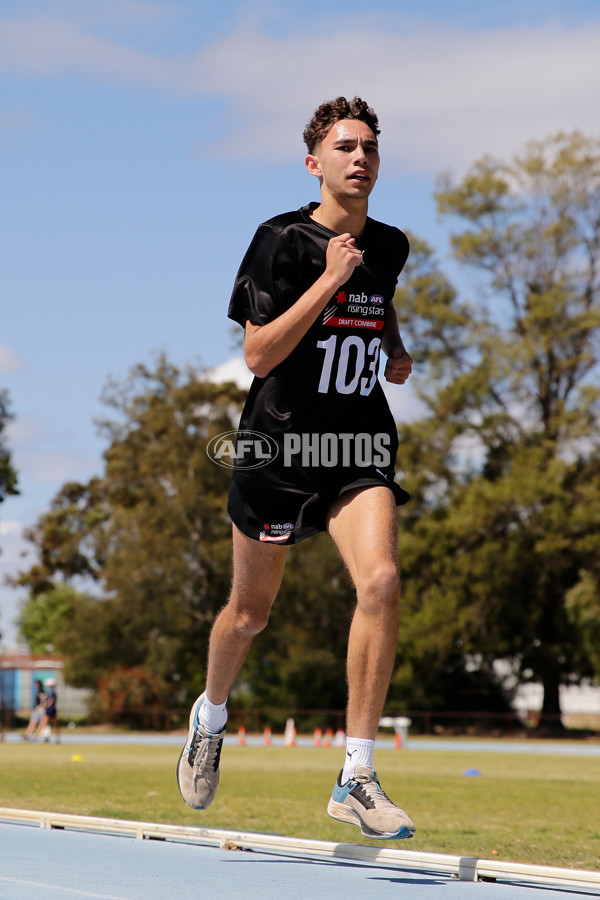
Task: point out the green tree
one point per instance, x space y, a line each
583 609
507 510
151 532
8 475
47 616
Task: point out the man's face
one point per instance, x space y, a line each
347 160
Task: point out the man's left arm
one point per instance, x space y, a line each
399 362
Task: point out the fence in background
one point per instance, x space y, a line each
255 721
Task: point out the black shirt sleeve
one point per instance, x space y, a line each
266 284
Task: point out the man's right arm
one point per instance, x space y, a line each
266 346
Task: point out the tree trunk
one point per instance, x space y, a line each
550 719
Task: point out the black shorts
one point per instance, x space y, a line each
286 515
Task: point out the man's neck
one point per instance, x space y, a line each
342 218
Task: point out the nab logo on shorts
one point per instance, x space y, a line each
244 449
276 533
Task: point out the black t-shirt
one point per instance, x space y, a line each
322 410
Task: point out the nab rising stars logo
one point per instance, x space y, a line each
369 309
277 533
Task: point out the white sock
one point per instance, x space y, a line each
213 716
359 752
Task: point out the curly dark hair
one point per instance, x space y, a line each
333 111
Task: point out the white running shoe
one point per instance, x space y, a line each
361 801
198 765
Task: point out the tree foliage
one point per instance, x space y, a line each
506 465
47 616
151 532
8 475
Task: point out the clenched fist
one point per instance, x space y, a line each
398 366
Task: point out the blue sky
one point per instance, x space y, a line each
142 142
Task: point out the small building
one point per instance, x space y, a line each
18 675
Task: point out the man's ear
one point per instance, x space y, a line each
313 165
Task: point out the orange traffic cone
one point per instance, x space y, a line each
317 737
267 737
241 736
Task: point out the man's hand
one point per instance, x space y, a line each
398 366
342 258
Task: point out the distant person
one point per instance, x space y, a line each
314 295
49 721
39 707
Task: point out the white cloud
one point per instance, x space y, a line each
235 370
444 96
11 526
23 430
9 361
44 47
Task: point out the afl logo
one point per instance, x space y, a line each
245 449
376 300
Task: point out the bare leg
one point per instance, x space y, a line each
32 726
42 724
257 573
364 526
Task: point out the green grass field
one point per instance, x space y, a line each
542 809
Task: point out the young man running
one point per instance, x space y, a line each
314 296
